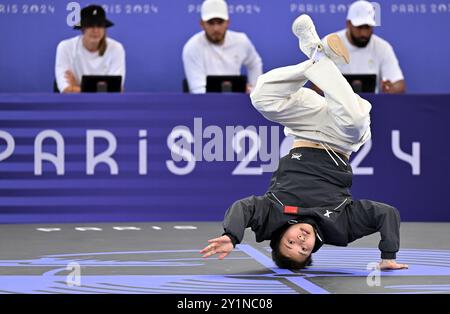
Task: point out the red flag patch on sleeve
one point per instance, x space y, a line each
290 209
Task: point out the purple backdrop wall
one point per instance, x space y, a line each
153 183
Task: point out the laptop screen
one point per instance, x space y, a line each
362 83
226 84
101 83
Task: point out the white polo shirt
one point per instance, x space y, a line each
72 55
377 57
202 58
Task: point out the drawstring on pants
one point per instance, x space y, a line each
329 147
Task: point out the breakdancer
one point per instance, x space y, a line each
309 203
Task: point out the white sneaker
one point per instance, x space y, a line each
309 42
335 49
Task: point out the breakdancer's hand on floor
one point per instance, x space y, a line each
221 245
390 264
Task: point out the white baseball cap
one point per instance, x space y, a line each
361 13
214 9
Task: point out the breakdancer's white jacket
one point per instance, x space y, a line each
340 119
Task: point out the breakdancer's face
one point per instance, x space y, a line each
360 36
298 242
215 30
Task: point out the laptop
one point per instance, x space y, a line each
362 83
226 84
101 83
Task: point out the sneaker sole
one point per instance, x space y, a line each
338 47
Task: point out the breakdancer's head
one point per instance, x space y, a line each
293 244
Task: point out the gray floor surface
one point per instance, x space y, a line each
164 258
